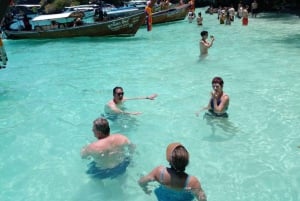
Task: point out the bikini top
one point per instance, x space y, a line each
218 103
164 193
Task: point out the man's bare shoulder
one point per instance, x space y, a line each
118 138
111 103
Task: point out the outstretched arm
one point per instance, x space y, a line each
202 109
151 97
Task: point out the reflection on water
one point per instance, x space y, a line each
121 123
229 130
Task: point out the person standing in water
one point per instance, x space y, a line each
175 183
219 100
110 153
204 44
115 105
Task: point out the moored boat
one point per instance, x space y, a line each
171 14
66 25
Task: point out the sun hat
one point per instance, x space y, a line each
170 150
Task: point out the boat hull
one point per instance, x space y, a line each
170 15
127 26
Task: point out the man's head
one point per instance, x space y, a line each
118 93
204 33
101 128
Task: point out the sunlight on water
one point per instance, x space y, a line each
52 90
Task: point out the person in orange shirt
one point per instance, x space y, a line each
148 10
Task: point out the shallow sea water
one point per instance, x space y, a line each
52 90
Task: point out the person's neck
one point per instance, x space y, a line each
117 101
101 136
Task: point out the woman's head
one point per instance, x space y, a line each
178 156
217 80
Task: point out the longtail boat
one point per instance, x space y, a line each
171 14
65 25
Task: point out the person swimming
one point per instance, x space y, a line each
175 183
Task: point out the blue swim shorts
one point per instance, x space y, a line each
96 172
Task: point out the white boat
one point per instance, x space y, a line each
140 4
66 25
88 10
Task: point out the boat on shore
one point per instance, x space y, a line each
170 15
66 25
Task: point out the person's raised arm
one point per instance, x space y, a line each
224 102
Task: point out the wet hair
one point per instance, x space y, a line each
116 88
179 159
218 80
203 33
101 125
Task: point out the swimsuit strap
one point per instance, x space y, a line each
161 177
187 181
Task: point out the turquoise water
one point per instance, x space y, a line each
52 90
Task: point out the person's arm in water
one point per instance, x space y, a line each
113 107
197 189
202 109
152 176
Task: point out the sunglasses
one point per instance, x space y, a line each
120 93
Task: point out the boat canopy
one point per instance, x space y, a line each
27 5
58 16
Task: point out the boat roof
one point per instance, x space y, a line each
58 16
27 5
122 10
83 6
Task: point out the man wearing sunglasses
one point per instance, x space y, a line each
115 106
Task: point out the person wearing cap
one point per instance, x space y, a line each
110 153
115 106
219 100
175 183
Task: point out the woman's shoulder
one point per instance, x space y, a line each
225 96
193 182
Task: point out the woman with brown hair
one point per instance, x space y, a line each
175 183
